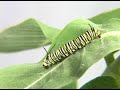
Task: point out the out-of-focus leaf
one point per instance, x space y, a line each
103 17
26 35
49 32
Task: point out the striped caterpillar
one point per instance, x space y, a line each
71 47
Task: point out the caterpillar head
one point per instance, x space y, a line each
45 64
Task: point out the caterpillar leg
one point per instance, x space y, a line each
99 36
46 67
89 42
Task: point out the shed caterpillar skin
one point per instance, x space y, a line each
71 47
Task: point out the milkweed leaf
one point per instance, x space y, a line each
72 68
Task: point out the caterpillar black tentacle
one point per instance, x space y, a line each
71 47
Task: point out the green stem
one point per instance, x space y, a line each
110 58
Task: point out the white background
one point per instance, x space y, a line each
54 13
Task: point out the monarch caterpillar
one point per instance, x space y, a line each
71 47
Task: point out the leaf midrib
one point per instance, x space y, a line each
41 77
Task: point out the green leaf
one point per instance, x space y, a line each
109 80
72 85
110 25
72 68
26 35
49 32
113 70
102 82
101 18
